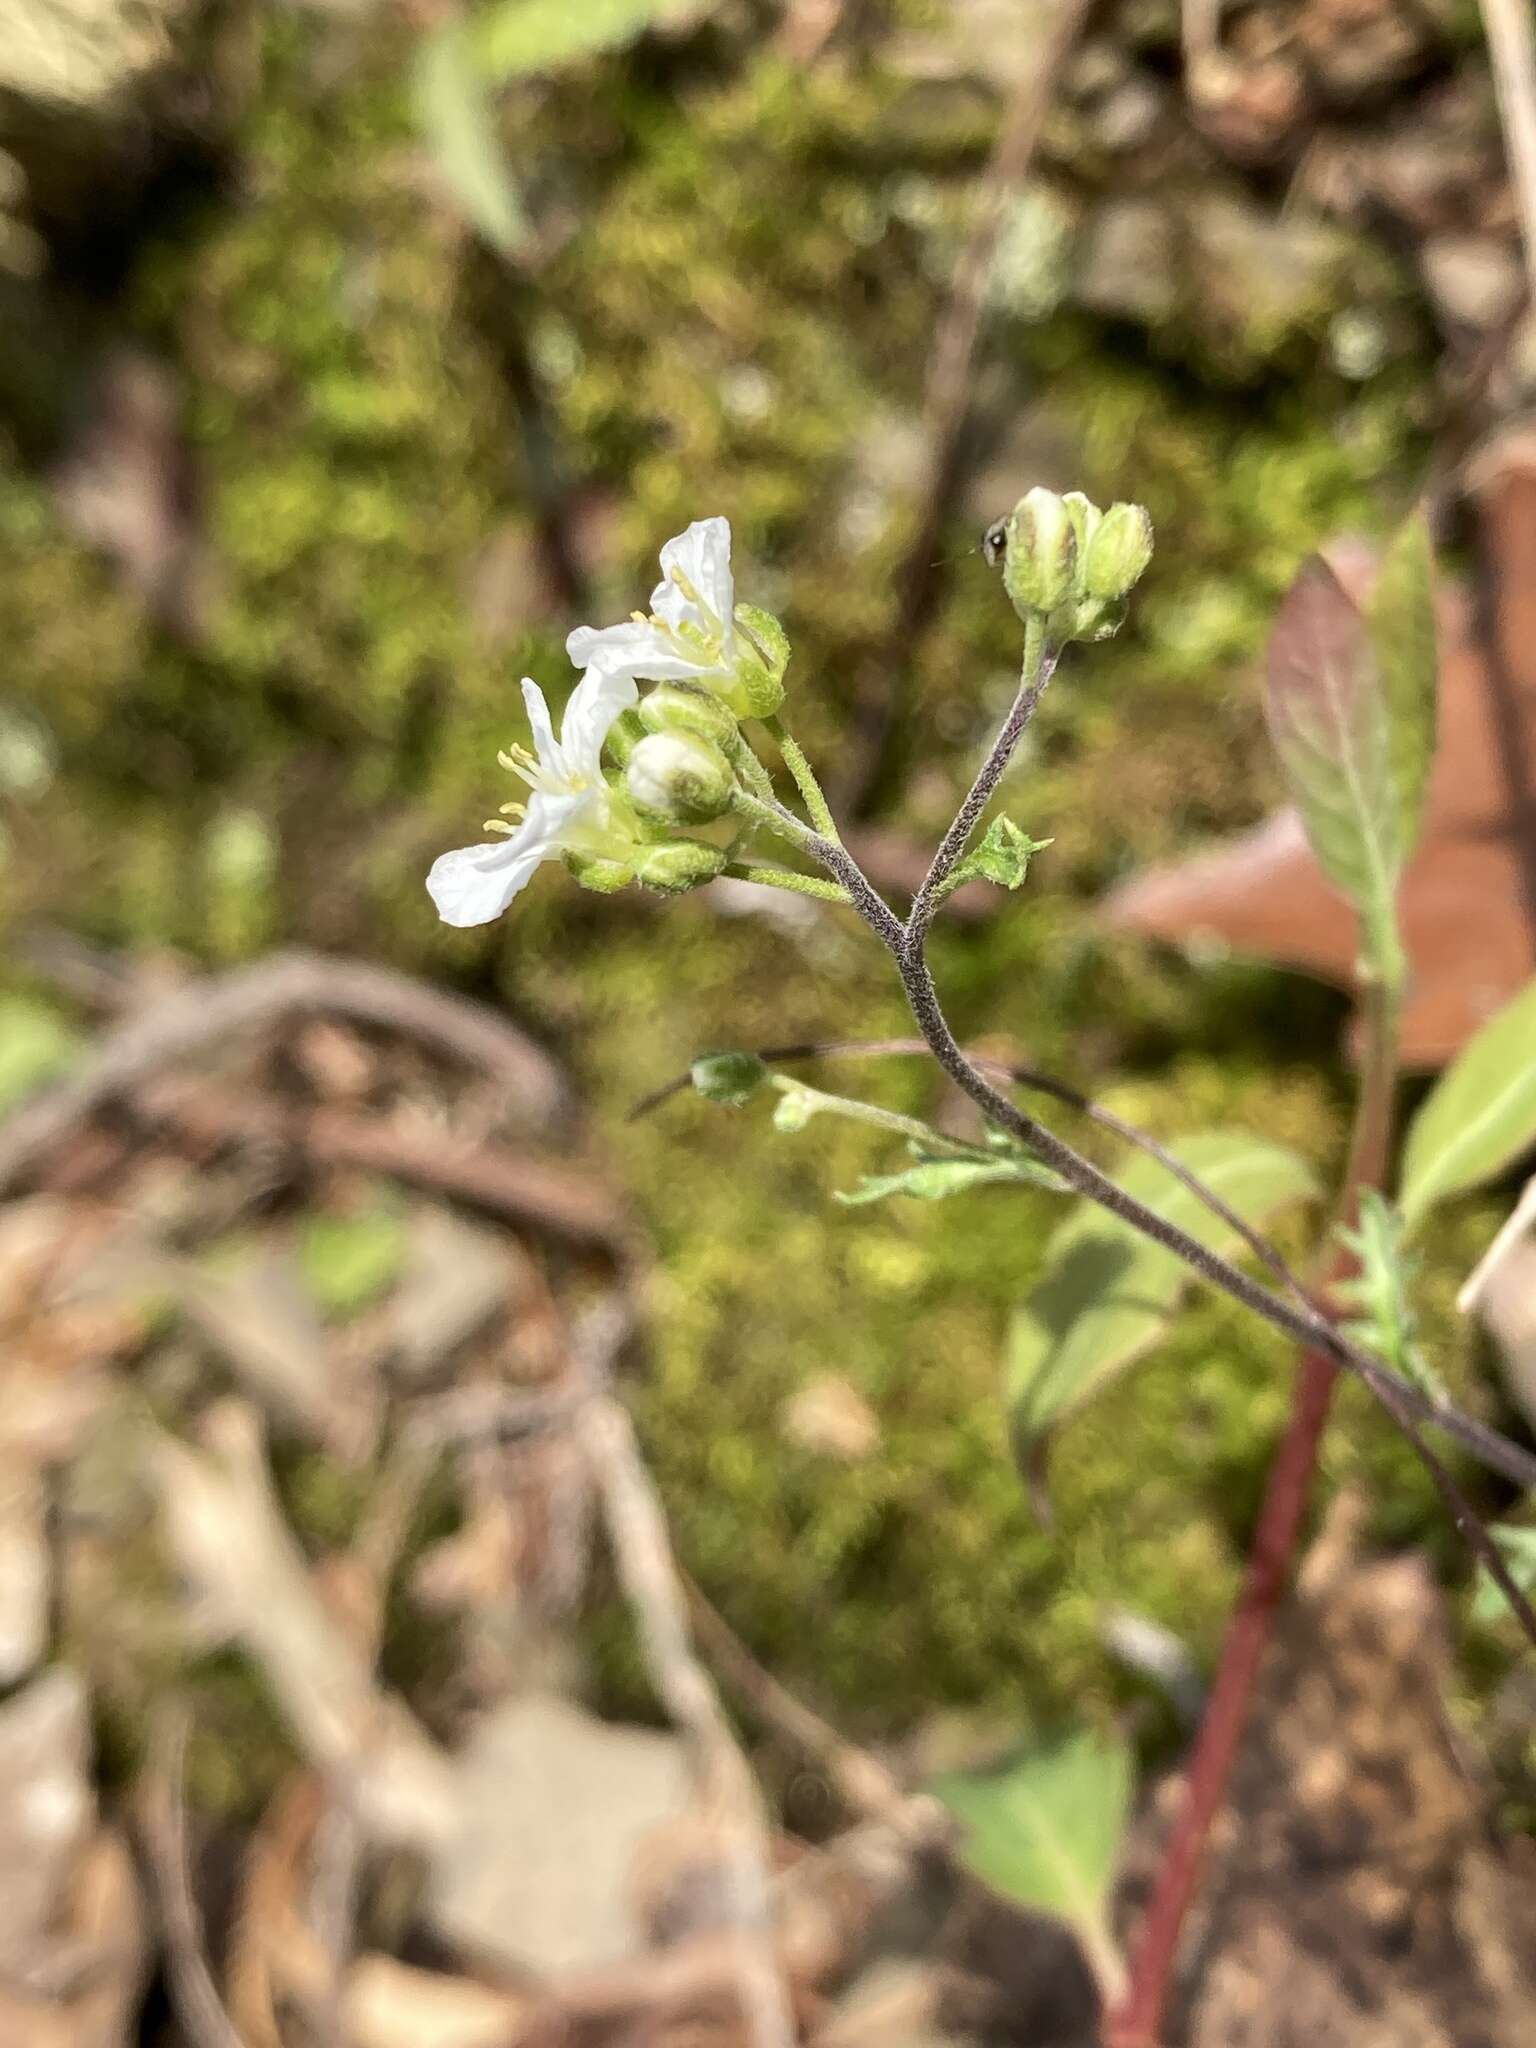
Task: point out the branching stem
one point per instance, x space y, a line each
1306 1324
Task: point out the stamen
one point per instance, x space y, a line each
499 825
686 586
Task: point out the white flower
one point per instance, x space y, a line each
570 808
690 635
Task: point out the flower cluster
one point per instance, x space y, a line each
1069 565
608 796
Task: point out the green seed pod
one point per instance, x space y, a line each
592 871
771 640
728 1077
1118 553
754 692
679 865
1040 561
677 778
624 735
680 707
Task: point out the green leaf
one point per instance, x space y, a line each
1002 856
525 36
1328 716
1401 621
1045 1828
348 1261
1379 1291
1518 1545
1481 1115
455 115
931 1180
1107 1292
35 1044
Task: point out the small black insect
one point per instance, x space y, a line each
994 543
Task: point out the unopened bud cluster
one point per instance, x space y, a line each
1069 564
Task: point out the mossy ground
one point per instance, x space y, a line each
737 321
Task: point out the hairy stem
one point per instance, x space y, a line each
892 1120
1039 665
811 793
768 877
1306 1323
752 772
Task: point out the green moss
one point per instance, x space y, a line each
289 775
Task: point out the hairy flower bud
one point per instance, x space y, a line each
679 778
1085 517
624 735
592 871
728 1077
682 707
1117 554
1040 562
679 865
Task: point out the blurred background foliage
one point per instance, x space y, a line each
298 475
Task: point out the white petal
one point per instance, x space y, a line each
703 554
543 730
636 648
476 883
594 704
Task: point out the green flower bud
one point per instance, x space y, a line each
624 735
679 865
680 707
1085 517
678 778
1096 620
1040 561
1118 552
728 1077
794 1109
592 871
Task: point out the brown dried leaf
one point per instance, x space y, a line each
390 2005
227 1534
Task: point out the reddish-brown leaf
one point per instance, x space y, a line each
1468 902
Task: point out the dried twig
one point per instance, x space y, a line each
863 1783
567 1203
227 1534
807 28
1512 50
1199 31
273 991
339 1840
643 1552
884 689
199 2008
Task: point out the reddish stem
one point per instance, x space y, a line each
1137 2022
